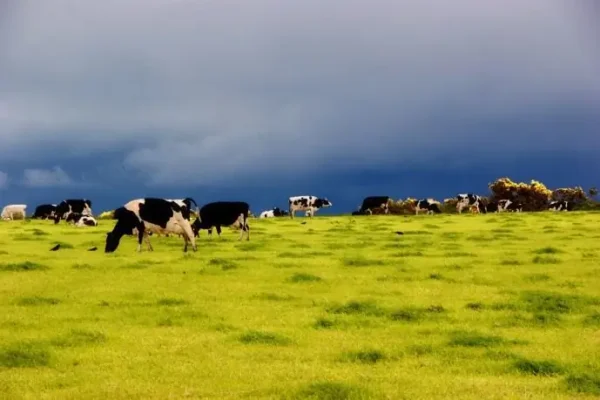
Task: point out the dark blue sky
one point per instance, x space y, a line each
262 100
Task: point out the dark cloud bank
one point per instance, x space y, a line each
265 99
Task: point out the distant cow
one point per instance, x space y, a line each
223 213
44 211
79 206
467 200
513 206
431 206
373 202
187 202
81 220
275 212
141 216
310 204
560 205
12 211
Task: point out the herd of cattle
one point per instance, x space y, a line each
146 216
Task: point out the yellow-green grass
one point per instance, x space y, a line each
459 306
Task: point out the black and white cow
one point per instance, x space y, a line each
431 206
44 211
275 212
467 200
79 206
560 205
187 202
310 204
372 202
512 206
81 220
223 213
141 216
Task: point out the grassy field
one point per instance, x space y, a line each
472 307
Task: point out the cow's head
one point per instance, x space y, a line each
323 203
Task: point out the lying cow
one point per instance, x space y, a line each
372 203
275 212
560 205
467 200
81 220
431 206
141 216
44 211
14 211
79 206
310 204
223 213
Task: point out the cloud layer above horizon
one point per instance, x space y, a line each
211 92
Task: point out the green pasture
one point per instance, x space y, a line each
502 306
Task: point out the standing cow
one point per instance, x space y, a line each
560 205
79 206
431 206
44 211
12 211
141 216
467 200
310 204
223 213
369 204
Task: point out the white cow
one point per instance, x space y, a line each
310 204
11 211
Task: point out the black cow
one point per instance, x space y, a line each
142 216
80 206
430 205
372 202
223 213
44 211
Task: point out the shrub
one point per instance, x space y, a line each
534 196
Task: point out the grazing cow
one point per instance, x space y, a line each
310 204
275 212
467 200
44 211
560 205
513 206
11 211
141 216
223 213
187 202
373 202
429 205
81 220
80 206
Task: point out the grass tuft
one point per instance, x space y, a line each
304 277
25 355
330 391
258 337
537 368
23 266
171 302
474 339
37 301
588 383
368 356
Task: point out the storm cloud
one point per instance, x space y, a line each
211 92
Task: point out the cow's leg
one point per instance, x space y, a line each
292 212
141 233
417 211
147 239
218 230
247 230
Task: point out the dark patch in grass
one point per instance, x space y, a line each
142 264
273 297
81 266
548 250
451 235
330 391
583 383
23 266
304 277
436 276
480 238
223 263
459 254
431 226
475 306
361 262
79 338
323 323
420 349
510 262
169 321
250 246
501 355
592 319
258 337
546 260
537 367
25 355
357 308
503 307
502 230
436 309
368 356
418 232
37 301
311 254
64 245
550 302
167 301
414 314
537 277
414 253
473 339
39 232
